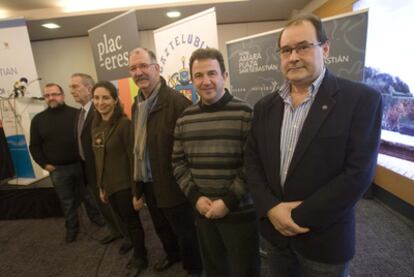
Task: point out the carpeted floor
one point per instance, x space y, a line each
385 242
385 247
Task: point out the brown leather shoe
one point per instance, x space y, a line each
125 248
71 236
100 222
109 238
138 265
165 264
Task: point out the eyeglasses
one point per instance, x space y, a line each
141 66
300 49
54 94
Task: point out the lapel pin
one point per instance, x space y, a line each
324 107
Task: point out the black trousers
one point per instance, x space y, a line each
113 222
121 203
176 229
229 246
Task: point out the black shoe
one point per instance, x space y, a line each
165 264
109 238
193 274
138 265
99 222
130 262
125 248
70 236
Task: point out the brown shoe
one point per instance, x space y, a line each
138 265
109 238
71 236
125 248
165 264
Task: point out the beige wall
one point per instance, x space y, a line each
57 59
334 7
397 184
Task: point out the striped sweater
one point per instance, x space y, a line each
208 151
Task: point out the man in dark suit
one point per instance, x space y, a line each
81 85
310 157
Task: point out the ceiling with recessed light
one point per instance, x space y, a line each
150 14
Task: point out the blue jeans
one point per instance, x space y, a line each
70 188
288 263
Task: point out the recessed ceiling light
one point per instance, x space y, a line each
79 5
173 14
51 25
3 13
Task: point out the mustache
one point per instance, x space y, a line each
54 104
294 66
141 78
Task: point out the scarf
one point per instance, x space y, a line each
141 159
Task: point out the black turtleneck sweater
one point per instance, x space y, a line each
52 136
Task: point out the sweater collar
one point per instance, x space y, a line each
218 105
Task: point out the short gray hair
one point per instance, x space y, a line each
138 50
87 79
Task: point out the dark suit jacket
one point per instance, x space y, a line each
160 139
331 168
86 139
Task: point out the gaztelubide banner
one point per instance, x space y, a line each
174 44
254 64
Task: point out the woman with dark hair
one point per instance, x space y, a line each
112 144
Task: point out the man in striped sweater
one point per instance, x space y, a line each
208 165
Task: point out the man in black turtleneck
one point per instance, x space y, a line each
53 147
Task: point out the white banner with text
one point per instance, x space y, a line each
175 42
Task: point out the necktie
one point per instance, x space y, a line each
81 121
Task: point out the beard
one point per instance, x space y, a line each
54 104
